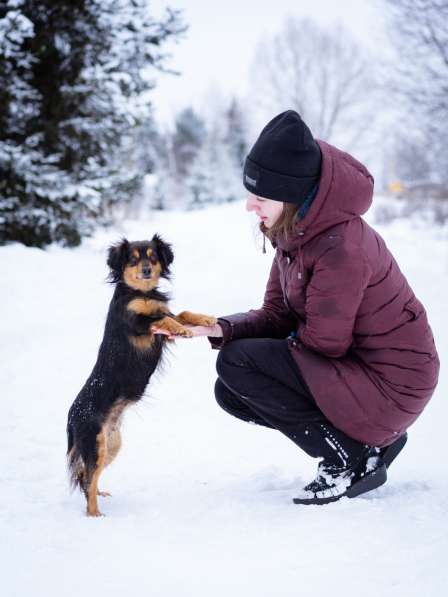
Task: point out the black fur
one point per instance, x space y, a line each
122 371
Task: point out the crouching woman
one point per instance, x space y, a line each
340 358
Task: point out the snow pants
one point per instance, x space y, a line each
260 382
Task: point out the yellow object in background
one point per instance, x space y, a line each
395 187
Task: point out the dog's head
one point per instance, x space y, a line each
140 264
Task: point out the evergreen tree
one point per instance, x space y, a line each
236 135
198 164
169 191
214 176
173 154
188 138
149 143
73 75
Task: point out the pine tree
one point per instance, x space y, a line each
73 78
188 138
214 176
175 153
201 164
236 134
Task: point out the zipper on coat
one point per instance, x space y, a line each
300 272
290 261
299 252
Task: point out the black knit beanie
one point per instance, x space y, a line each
284 163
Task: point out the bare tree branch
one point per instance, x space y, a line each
323 74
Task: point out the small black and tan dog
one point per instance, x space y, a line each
128 356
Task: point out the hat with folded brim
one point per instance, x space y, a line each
285 162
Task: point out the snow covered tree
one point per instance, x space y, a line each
169 188
215 174
236 134
174 153
200 163
148 142
419 34
73 79
410 159
187 139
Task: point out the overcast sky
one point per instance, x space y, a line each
217 51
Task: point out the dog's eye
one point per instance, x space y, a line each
153 259
133 261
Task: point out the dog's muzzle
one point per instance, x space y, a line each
146 273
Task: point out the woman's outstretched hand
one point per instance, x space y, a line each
215 331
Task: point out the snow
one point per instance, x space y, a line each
201 502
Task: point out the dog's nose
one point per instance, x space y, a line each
146 270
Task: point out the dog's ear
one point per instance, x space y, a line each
116 259
164 252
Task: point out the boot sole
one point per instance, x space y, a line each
389 453
375 479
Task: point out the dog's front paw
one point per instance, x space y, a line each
209 320
185 333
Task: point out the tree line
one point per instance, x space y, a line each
78 134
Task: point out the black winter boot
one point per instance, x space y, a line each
334 481
389 453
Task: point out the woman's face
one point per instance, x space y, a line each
267 210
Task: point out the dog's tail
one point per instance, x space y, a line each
82 452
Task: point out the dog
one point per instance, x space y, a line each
127 357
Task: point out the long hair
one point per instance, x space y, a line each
284 224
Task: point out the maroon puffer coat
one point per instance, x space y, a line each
363 342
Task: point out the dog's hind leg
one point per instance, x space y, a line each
92 489
113 436
113 443
113 447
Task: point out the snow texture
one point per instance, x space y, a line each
201 502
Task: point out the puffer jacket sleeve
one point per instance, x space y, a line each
272 320
334 294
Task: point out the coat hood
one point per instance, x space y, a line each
345 192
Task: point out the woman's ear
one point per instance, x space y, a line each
164 252
116 259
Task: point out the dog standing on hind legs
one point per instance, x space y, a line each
127 357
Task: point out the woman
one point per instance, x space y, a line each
340 358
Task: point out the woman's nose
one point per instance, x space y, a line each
251 204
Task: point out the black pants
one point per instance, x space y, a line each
260 382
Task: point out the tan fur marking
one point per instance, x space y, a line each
115 414
113 446
79 470
130 277
148 252
109 444
92 492
112 429
144 306
135 254
171 325
188 317
142 342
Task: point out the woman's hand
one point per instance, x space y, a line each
215 331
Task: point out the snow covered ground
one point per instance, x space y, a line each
201 501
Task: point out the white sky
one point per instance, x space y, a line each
217 51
